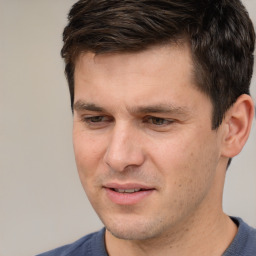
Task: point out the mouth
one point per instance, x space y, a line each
127 194
128 191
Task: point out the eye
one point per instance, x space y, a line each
158 121
96 121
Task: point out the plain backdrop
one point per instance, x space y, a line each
42 204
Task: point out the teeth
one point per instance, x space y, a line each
127 190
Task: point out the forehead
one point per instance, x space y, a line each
151 62
158 74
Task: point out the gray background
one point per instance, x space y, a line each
42 204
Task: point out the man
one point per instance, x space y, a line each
160 96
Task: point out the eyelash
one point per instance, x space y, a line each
154 120
94 120
99 121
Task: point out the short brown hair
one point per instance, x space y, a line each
220 33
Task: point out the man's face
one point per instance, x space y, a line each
146 155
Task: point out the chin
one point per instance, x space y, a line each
127 234
135 229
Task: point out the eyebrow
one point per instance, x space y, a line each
81 105
160 108
157 108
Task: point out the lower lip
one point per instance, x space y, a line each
127 198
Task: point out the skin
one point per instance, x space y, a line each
140 119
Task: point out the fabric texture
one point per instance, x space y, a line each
89 245
244 244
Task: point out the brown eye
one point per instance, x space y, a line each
95 119
96 122
158 121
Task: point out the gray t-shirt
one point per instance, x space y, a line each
244 244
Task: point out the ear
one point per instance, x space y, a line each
237 122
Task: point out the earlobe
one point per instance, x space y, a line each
238 121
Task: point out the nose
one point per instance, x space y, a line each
124 149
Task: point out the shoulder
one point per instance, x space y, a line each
244 242
89 245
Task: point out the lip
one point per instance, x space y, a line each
127 198
127 186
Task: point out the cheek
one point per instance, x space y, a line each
172 154
187 162
87 163
88 153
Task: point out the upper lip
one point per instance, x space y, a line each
128 186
